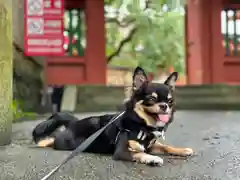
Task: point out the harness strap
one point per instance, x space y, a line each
119 131
142 136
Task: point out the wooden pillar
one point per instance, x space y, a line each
217 38
95 50
198 42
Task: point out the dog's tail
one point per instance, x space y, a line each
47 127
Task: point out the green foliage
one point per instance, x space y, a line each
124 62
164 43
18 113
159 36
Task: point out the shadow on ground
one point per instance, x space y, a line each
215 137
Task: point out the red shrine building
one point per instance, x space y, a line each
84 43
212 43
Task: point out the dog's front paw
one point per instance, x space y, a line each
151 160
187 152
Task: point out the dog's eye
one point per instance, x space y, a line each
151 98
170 101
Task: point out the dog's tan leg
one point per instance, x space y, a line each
158 148
148 159
134 146
135 152
46 142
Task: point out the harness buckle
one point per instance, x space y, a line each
159 134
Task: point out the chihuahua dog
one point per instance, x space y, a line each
133 137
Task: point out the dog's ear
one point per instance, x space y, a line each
139 77
139 93
171 80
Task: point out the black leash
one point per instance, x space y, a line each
82 146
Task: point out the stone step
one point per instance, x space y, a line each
207 106
69 98
217 90
104 98
206 95
218 97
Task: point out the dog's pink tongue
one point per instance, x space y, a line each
163 117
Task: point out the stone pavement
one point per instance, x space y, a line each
214 136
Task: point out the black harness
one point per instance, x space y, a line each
146 136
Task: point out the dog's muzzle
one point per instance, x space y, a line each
165 114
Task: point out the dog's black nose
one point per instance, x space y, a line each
163 107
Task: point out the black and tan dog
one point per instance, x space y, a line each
133 137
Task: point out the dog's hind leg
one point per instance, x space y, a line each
45 129
66 141
46 142
159 148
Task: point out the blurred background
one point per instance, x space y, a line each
145 33
88 49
